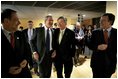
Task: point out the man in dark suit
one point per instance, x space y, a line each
42 47
29 34
104 46
64 47
15 51
29 31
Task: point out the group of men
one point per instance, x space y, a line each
47 45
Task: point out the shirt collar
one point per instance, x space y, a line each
63 30
5 31
30 29
46 28
109 29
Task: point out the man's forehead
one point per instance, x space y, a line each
49 18
104 17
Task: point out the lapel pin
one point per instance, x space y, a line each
17 37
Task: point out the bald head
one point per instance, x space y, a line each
78 25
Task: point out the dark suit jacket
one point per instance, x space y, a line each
66 49
104 59
13 57
38 42
25 32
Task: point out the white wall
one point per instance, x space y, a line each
111 7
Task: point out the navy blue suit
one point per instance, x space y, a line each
103 63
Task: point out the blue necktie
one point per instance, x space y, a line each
47 41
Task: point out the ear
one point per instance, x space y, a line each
6 20
110 22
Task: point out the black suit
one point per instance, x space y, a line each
103 63
14 56
38 44
26 33
64 51
35 64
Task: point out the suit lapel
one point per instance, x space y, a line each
57 35
27 33
102 36
52 32
17 41
5 40
43 34
110 37
33 31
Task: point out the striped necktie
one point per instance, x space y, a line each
12 40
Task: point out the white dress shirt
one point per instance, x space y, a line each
30 33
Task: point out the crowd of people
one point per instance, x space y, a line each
41 47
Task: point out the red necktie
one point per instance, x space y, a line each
12 39
106 36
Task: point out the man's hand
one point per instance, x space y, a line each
36 56
53 54
102 47
23 63
15 70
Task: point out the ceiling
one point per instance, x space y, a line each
70 9
95 6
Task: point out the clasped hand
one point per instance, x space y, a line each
17 69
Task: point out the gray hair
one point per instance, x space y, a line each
61 17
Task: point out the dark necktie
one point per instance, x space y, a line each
106 36
48 41
12 39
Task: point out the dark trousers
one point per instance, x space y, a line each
68 66
35 65
76 57
100 73
45 66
